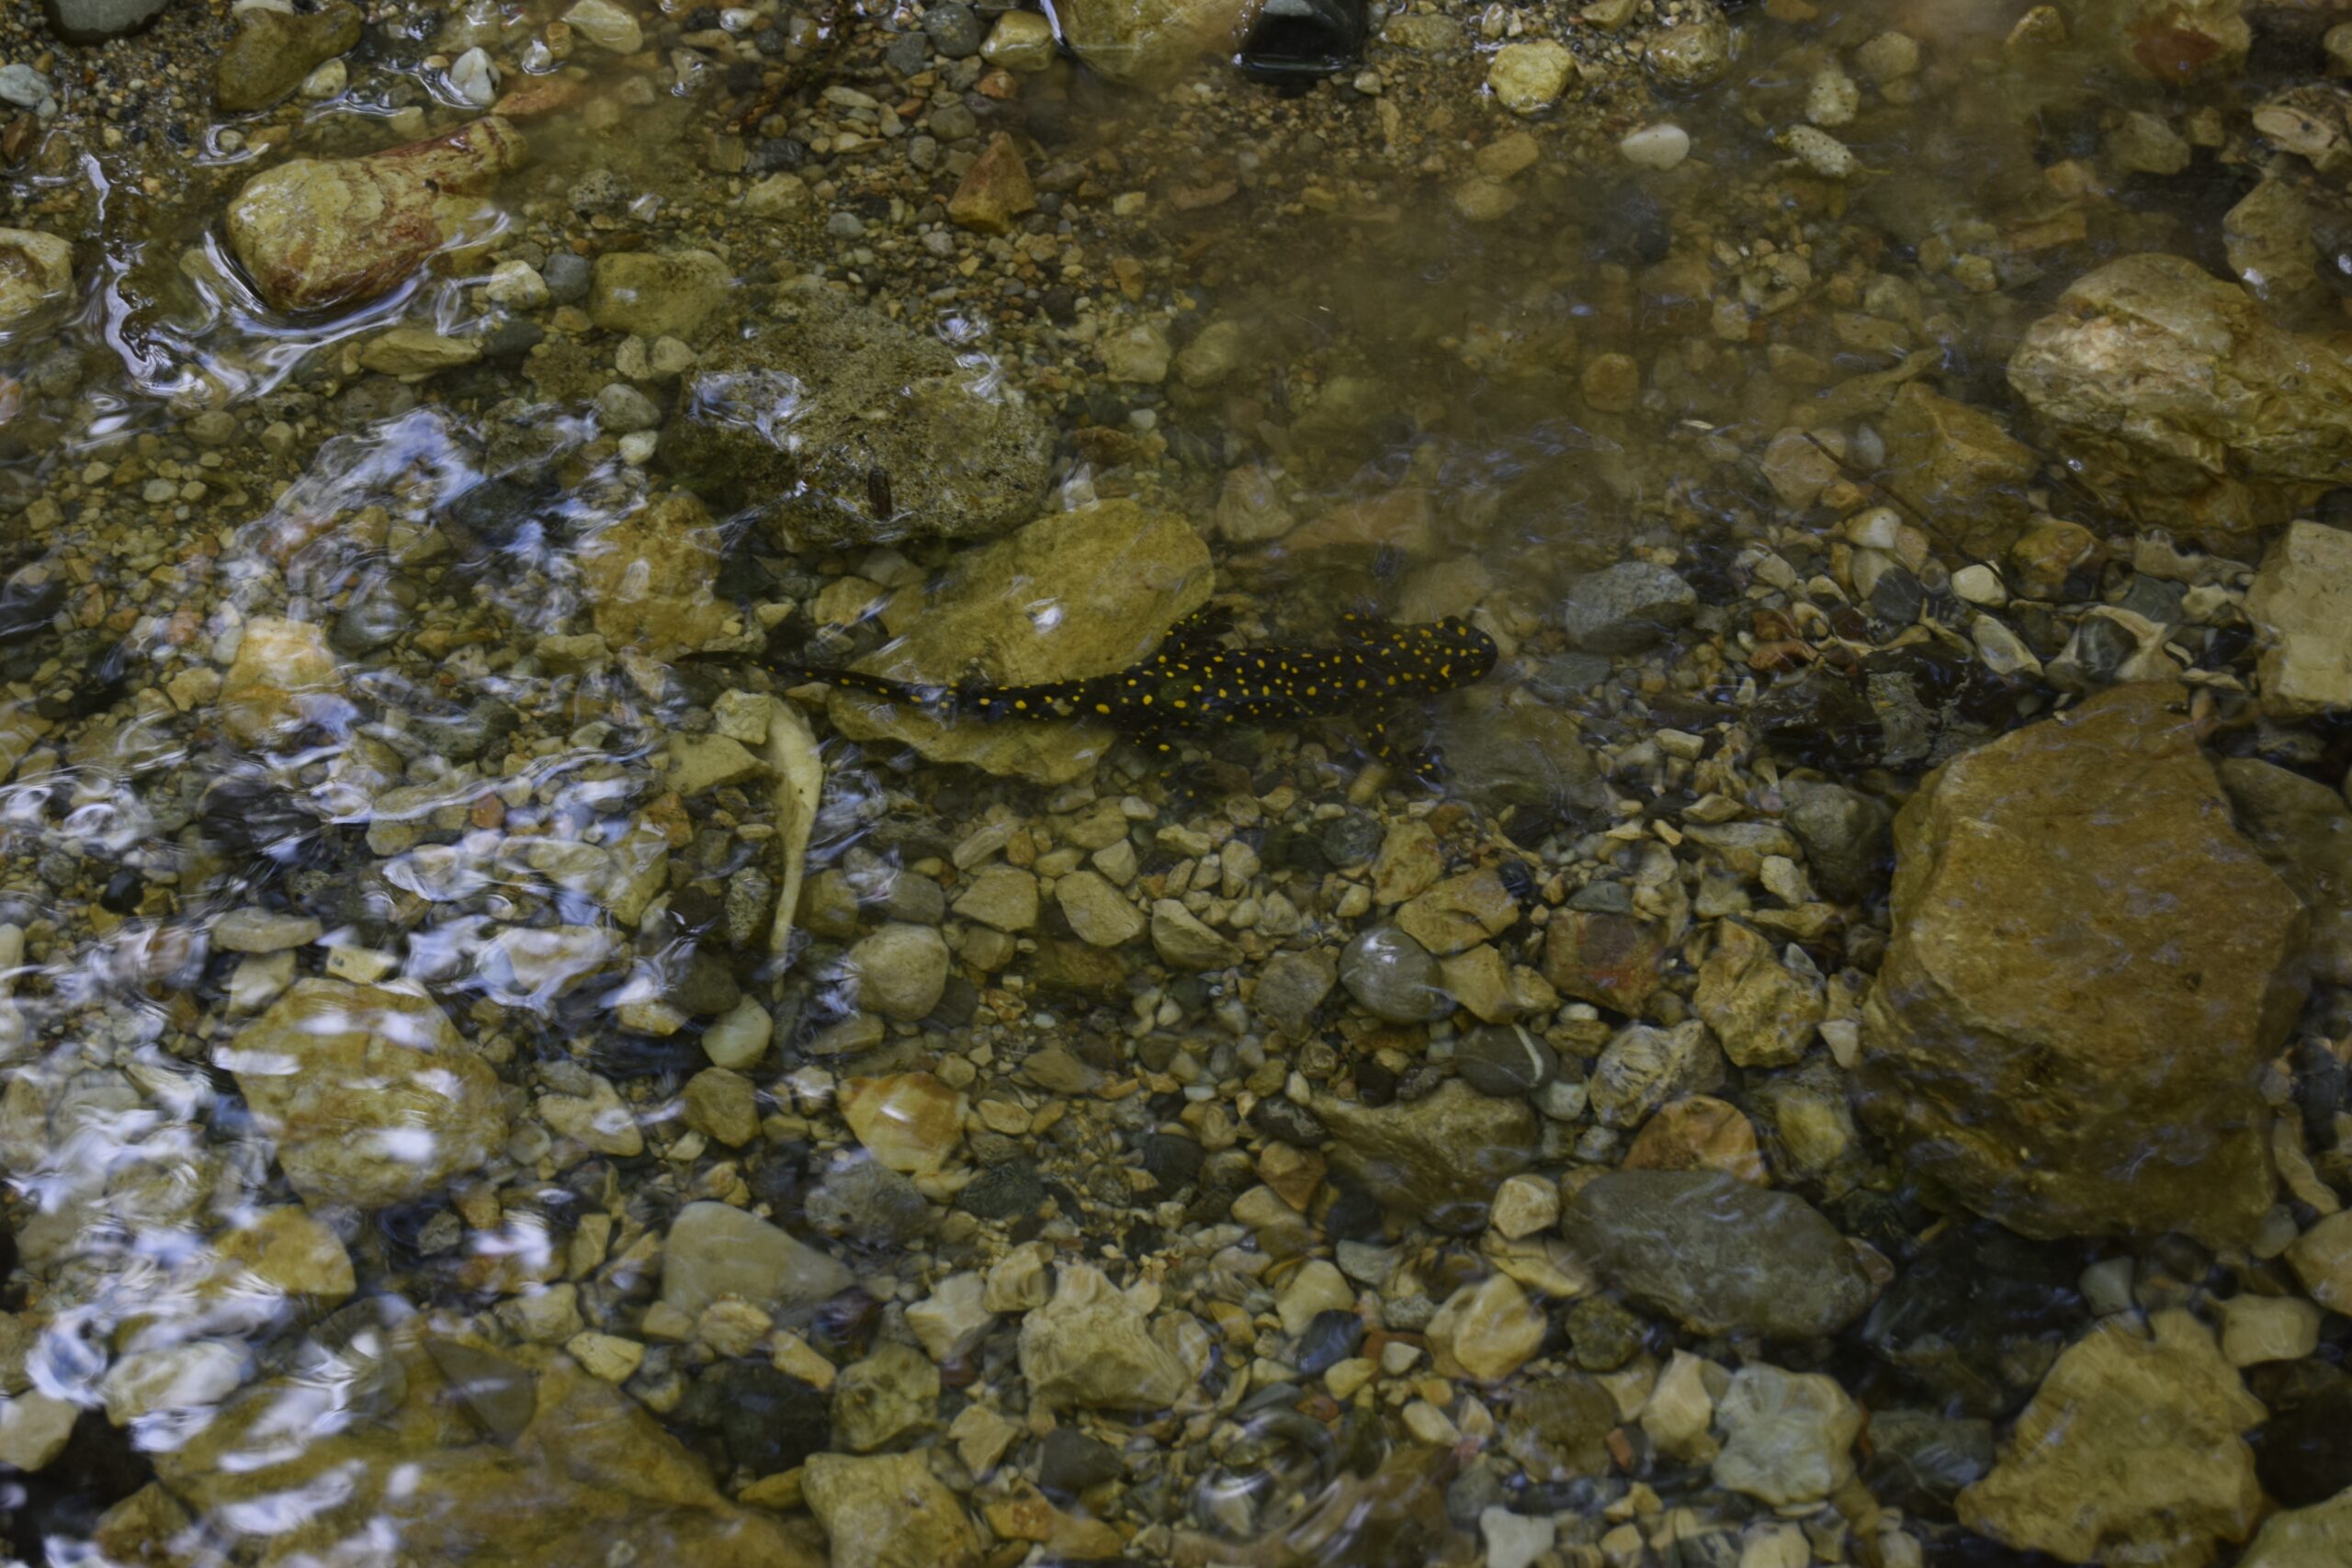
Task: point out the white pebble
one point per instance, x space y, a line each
475 78
1656 146
327 82
1979 584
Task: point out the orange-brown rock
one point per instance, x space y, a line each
1698 1133
2089 967
1602 957
313 232
994 191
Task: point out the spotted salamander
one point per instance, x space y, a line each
1195 684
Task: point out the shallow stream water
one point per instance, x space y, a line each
1833 1049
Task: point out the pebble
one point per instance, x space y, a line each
1099 913
1392 976
1528 78
1718 1253
1489 1327
901 970
714 1250
1788 1437
1626 607
1660 146
1184 942
1089 1345
910 1121
2255 1329
263 930
607 25
1021 40
35 268
1504 1060
1821 153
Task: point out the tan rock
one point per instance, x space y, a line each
316 233
1119 574
1090 1346
1698 1133
994 191
655 294
372 1096
2180 399
2130 1452
1762 1013
602 1475
280 1252
284 676
2070 903
1459 912
1490 1329
35 268
1956 463
888 1511
910 1122
1148 41
2302 603
649 576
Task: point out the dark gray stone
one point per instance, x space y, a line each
1626 607
1720 1255
1844 833
954 28
1500 754
1499 1060
867 1201
1291 986
1393 977
1004 1193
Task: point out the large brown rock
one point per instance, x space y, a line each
1075 594
588 1476
2087 970
2182 402
315 233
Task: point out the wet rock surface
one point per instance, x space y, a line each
2016 1046
315 233
1120 573
797 418
1426 1136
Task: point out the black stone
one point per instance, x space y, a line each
1069 1461
1171 1160
1505 1061
2304 1454
1919 1461
1279 1117
1351 840
1003 1192
1979 1314
1329 1337
766 1420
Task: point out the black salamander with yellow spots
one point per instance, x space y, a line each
1194 684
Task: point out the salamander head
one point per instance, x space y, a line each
1436 656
